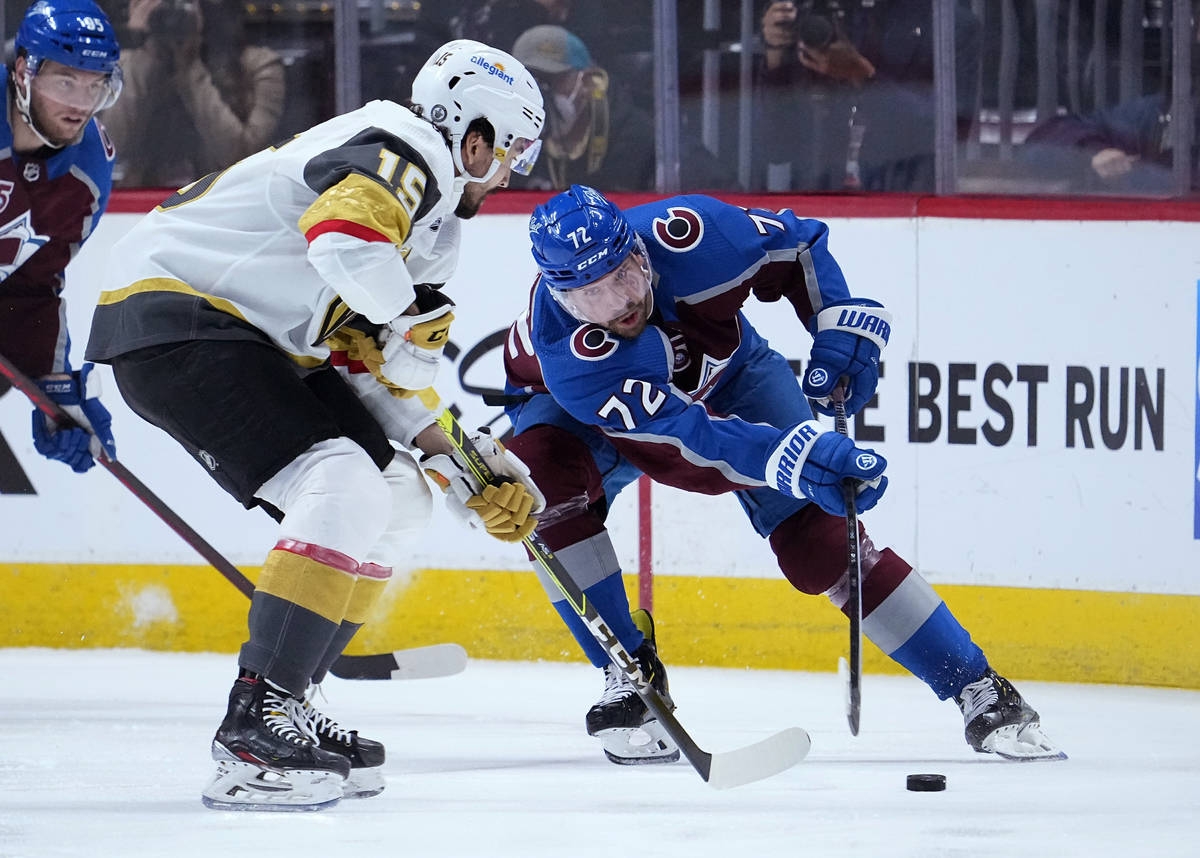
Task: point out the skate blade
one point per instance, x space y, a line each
1024 743
239 785
364 783
638 746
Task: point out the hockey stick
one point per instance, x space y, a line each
437 660
721 770
854 582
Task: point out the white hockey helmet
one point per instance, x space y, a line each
464 80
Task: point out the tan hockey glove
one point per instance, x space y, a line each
507 510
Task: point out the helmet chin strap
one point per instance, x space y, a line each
464 175
24 108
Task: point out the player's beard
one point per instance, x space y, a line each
43 126
634 330
471 201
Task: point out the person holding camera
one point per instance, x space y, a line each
846 91
197 96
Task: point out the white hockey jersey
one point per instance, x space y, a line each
291 242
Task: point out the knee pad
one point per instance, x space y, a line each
563 468
331 495
411 510
811 549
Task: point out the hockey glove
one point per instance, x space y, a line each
846 344
506 510
78 394
811 462
413 345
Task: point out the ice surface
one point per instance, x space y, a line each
104 753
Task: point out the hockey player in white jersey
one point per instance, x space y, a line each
273 318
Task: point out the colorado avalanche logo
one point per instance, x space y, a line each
681 231
592 342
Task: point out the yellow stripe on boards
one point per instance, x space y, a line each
305 582
1061 635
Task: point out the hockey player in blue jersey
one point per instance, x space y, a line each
56 164
634 357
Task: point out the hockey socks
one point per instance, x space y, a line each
613 605
299 601
915 628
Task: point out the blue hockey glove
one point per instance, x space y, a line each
74 445
846 344
811 462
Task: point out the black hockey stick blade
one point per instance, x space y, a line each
422 662
448 658
853 584
722 770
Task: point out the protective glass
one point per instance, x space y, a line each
75 88
612 296
522 155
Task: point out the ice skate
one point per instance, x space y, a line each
264 762
366 756
999 721
628 732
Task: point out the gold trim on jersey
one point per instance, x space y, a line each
178 287
362 201
169 284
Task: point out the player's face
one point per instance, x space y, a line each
63 99
620 301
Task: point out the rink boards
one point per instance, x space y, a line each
1037 409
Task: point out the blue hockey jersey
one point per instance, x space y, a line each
648 395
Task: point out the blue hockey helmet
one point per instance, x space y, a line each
578 237
75 33
593 262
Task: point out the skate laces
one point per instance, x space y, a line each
279 715
616 685
316 723
977 697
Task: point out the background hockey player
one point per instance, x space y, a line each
634 357
55 178
223 310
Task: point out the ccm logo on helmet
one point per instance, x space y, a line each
592 260
496 70
679 232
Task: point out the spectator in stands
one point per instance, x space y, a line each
847 93
1123 149
578 145
197 96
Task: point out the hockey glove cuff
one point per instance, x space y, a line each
811 462
846 343
77 446
413 345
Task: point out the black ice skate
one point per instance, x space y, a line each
366 756
999 721
264 762
628 732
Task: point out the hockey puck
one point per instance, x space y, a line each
926 783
